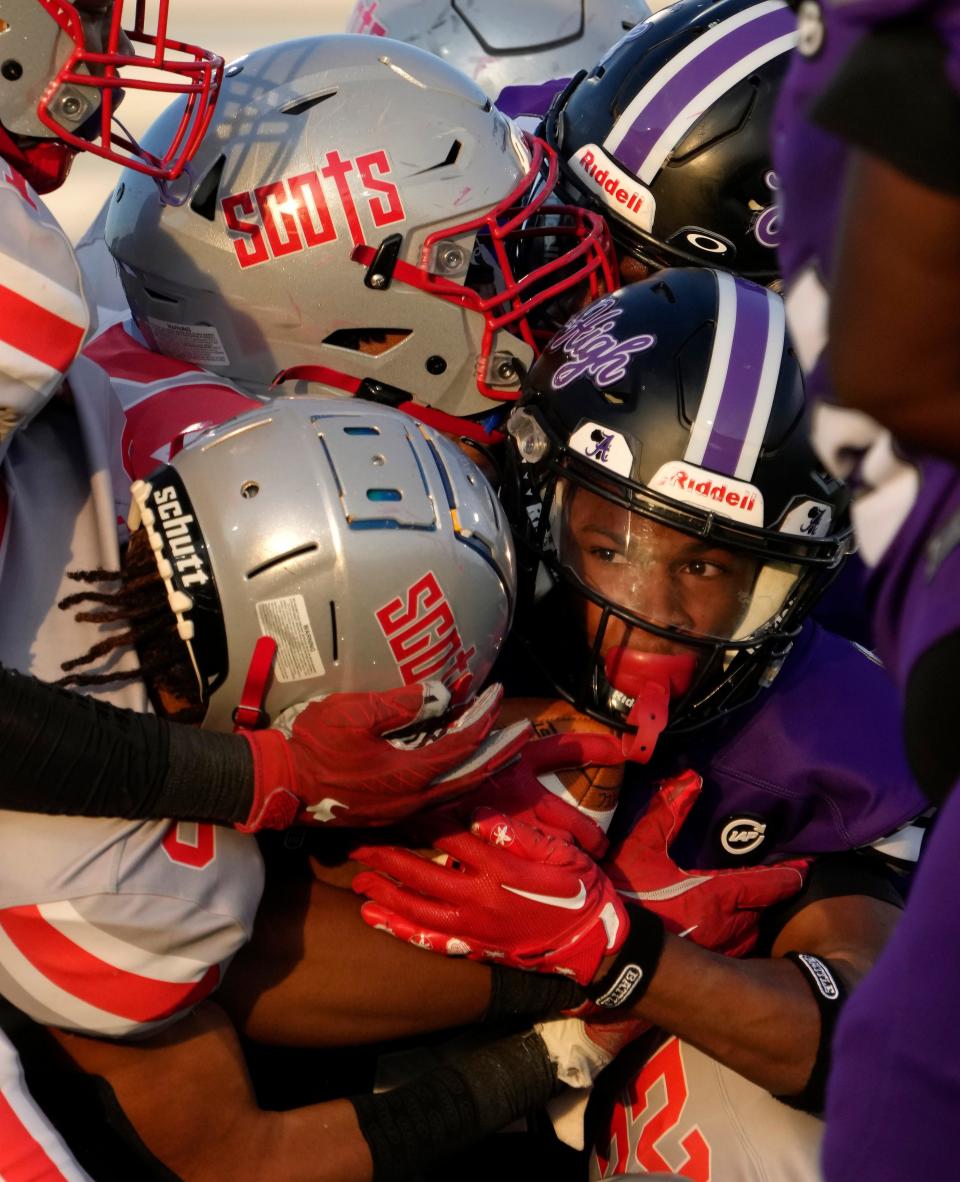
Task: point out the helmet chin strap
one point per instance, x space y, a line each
652 680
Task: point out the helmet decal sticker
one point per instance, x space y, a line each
603 446
288 215
695 486
287 621
589 341
812 518
616 188
674 99
740 386
424 638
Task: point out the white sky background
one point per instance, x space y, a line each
228 27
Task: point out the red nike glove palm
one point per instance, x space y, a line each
520 793
717 909
351 759
515 895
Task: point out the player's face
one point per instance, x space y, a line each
668 578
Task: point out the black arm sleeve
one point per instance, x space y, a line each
62 752
891 97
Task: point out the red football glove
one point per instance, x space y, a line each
516 895
717 909
521 793
340 761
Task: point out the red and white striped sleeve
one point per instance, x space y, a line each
31 1150
43 310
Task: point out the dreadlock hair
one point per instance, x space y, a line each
141 602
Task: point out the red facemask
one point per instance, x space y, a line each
162 64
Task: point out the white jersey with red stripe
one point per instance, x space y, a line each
43 310
31 1150
683 1112
110 927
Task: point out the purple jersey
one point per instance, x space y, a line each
815 765
907 513
895 1084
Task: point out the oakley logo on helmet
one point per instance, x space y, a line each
293 214
742 835
594 351
695 486
424 638
603 446
616 189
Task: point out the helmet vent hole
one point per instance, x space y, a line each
205 198
450 158
301 106
159 297
280 559
384 494
361 430
372 341
333 631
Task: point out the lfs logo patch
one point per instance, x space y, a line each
424 638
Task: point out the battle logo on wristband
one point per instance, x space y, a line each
622 989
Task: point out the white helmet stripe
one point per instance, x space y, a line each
717 373
672 101
742 379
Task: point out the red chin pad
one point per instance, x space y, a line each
44 165
653 680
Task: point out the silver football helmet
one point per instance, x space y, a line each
502 43
364 543
361 216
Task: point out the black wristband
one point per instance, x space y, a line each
629 978
829 992
515 993
454 1106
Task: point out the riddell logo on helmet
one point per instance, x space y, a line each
617 189
424 638
706 490
293 214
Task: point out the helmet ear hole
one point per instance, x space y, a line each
204 201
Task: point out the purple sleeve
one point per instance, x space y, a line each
529 100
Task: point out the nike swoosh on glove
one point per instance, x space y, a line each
529 791
513 894
351 760
717 909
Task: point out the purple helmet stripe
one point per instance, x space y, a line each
664 110
741 385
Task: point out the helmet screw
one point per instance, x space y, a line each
378 281
11 70
506 371
436 365
450 258
70 106
249 489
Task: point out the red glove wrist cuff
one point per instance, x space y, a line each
637 961
275 800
